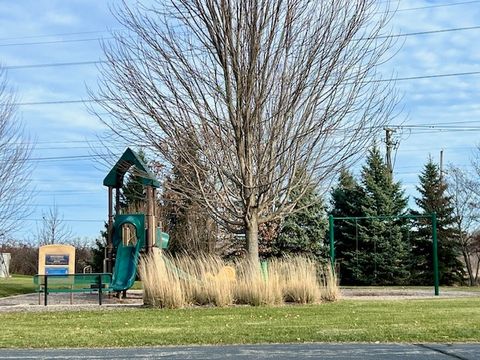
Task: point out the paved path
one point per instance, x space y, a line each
61 301
277 352
135 296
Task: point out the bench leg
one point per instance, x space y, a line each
45 289
100 288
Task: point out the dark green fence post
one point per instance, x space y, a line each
332 241
100 285
45 289
435 254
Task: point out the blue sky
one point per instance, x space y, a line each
38 32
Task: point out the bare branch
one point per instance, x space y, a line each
53 229
259 89
15 168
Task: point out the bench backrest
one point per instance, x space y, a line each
73 282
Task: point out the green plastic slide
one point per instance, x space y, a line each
125 270
127 256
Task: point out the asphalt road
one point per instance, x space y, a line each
280 352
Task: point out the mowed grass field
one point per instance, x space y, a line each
433 320
16 285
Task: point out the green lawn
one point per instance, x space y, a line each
15 285
434 320
474 289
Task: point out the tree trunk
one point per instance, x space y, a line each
468 265
251 225
477 269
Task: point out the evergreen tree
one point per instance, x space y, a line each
98 251
133 197
303 231
191 229
346 199
382 255
433 198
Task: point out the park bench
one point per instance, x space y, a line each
72 283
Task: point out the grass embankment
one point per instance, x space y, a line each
439 320
16 285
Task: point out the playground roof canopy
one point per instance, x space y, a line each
126 161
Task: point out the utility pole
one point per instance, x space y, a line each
390 144
441 166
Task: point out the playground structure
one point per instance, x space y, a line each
130 234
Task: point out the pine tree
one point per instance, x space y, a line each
98 251
191 229
382 256
433 198
346 199
303 231
133 197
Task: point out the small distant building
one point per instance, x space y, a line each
5 265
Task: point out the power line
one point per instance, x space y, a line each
122 30
61 34
437 148
68 148
426 76
446 123
427 32
74 63
86 141
58 102
55 42
69 193
436 6
95 62
434 127
67 220
61 158
69 205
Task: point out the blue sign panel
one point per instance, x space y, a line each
56 271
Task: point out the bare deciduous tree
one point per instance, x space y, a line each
466 204
53 229
15 168
258 89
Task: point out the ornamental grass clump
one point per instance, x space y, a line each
206 280
330 290
162 287
299 280
256 286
